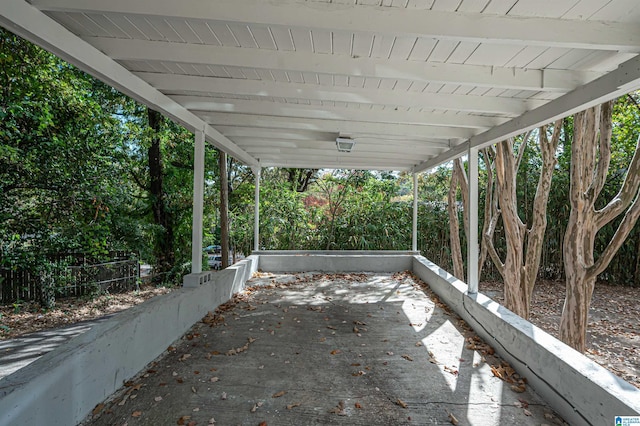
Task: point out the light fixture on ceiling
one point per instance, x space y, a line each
345 144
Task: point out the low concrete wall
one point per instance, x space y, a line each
580 390
63 386
335 261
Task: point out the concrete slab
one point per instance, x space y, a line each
352 349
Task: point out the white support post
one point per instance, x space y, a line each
256 209
198 202
414 238
472 248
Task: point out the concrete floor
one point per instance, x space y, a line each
350 349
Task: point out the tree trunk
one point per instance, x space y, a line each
590 158
224 208
523 246
454 225
163 250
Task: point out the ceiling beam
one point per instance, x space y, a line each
336 162
472 27
418 126
430 132
427 72
625 79
426 148
440 101
28 22
267 152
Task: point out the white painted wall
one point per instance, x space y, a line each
580 390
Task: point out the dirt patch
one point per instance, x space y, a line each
27 317
613 335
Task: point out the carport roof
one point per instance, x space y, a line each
414 82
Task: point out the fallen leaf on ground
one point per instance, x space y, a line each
214 379
527 412
401 403
452 419
292 406
263 424
358 405
136 414
339 409
278 394
97 409
184 357
124 400
181 421
335 351
407 357
256 406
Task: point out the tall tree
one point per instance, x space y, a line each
519 268
164 252
590 159
224 208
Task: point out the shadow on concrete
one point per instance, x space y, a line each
370 350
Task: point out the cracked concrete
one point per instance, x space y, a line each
352 349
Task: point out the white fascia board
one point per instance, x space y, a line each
428 72
440 101
457 26
29 23
625 79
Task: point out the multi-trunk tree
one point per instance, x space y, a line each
590 160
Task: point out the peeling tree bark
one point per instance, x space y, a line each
590 158
519 268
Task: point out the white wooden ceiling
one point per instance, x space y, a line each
414 82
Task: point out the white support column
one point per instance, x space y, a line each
256 209
414 239
472 248
198 202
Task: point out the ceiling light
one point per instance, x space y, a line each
345 144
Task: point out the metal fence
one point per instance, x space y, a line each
70 274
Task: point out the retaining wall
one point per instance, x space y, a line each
63 386
581 391
335 261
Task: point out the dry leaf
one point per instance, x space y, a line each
339 409
358 405
520 389
401 403
452 419
97 409
184 357
335 351
121 403
214 379
263 424
527 412
407 357
295 404
418 344
256 406
278 394
181 421
136 414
